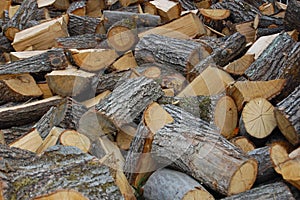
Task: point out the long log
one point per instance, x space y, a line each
85 41
190 145
79 25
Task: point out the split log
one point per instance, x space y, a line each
95 100
244 91
18 88
170 184
287 116
129 99
45 62
238 10
141 20
19 55
85 41
57 4
178 53
215 14
266 170
71 82
94 7
280 60
243 143
56 162
30 141
125 62
203 154
44 87
94 59
167 10
122 35
50 140
77 8
25 13
4 5
239 66
125 136
12 133
246 29
26 113
232 46
79 25
291 17
264 21
41 36
185 27
277 190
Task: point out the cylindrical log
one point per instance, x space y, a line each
292 15
167 184
85 41
192 146
277 190
79 25
178 53
287 115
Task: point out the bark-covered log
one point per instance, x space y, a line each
266 170
192 146
178 53
5 44
265 21
280 60
277 190
232 46
267 31
45 62
141 20
287 115
292 15
85 41
11 134
108 81
26 113
169 184
24 14
129 99
61 167
79 25
240 11
77 8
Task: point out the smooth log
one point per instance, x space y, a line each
45 62
170 184
129 99
292 15
278 190
85 41
192 146
287 115
26 113
79 25
178 53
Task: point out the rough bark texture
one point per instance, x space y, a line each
280 60
61 167
11 134
129 99
85 41
108 81
141 20
288 116
45 62
266 171
192 146
76 5
292 15
240 11
5 44
26 12
79 25
188 4
178 53
232 46
26 113
277 190
267 31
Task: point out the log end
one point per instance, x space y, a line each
244 177
198 193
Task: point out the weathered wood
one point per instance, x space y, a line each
280 60
264 21
77 8
108 81
129 99
18 88
277 190
85 41
178 53
12 133
170 184
125 62
291 17
192 146
5 44
26 113
246 29
33 180
267 31
25 13
287 115
232 46
79 25
45 62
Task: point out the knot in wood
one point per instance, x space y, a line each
58 62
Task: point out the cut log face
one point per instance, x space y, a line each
215 14
73 138
62 194
30 141
18 88
170 184
127 61
167 10
259 119
94 59
246 29
244 143
239 66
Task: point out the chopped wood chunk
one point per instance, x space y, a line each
30 141
73 138
239 66
215 14
167 10
244 143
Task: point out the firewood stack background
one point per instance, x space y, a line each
160 99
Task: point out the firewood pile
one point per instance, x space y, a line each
160 99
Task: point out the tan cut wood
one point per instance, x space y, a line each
4 5
243 143
51 139
31 141
73 138
93 101
167 10
125 62
63 194
215 14
246 29
239 66
44 87
19 55
12 10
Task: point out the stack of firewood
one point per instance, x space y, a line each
160 99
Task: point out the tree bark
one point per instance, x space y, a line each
79 25
292 15
45 62
192 146
85 41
